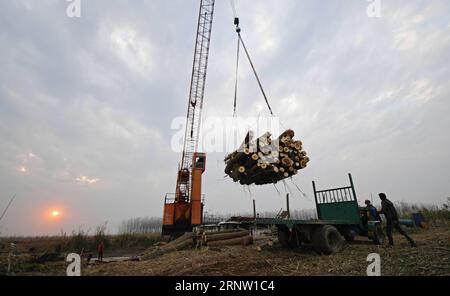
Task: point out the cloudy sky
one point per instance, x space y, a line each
86 104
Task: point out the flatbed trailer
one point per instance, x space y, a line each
339 218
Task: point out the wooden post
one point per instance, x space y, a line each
355 199
287 206
254 209
316 200
353 187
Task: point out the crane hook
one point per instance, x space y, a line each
236 22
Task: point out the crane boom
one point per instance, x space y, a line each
196 94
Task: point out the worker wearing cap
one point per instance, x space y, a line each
374 216
389 211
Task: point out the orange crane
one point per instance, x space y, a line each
184 209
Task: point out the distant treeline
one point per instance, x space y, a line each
140 225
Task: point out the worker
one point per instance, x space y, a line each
389 211
374 216
100 249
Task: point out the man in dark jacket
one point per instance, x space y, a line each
389 211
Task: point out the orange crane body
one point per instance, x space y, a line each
180 215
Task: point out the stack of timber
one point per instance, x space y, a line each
185 241
227 238
264 161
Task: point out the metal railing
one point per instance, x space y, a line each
335 195
171 197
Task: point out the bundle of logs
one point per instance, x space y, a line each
185 241
263 160
227 238
189 240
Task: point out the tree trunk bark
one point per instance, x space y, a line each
244 240
224 236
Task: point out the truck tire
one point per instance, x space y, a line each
379 236
327 240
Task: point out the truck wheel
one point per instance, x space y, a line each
379 236
327 240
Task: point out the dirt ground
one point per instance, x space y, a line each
432 257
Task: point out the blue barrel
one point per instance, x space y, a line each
418 219
406 222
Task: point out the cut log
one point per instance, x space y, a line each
224 231
168 248
298 145
185 236
239 156
229 168
289 133
244 240
215 237
179 246
275 169
286 161
247 140
263 140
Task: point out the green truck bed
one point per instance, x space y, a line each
289 223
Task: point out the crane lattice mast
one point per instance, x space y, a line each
196 94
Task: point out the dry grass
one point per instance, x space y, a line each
45 255
430 258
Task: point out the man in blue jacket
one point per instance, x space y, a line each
374 216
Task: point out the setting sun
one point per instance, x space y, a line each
56 214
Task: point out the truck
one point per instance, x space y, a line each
340 219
